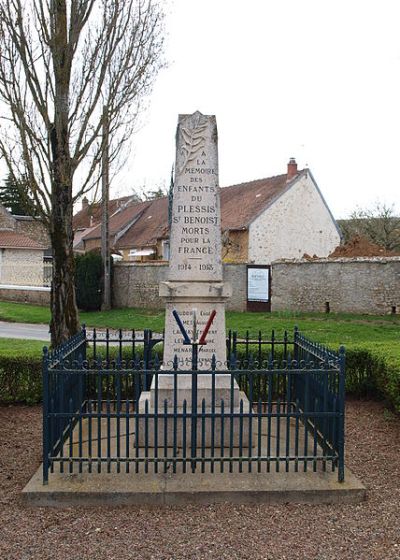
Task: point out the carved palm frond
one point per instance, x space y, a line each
194 141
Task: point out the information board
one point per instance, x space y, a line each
258 284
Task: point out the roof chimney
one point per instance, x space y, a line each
85 203
291 169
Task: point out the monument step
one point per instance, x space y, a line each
176 388
210 431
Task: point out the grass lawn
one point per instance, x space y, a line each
372 343
11 347
333 329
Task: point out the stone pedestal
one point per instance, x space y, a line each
170 389
209 430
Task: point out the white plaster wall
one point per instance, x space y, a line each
297 223
22 267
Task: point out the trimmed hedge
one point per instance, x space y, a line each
21 379
89 281
369 373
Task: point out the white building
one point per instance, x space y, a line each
279 217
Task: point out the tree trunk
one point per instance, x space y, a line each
64 321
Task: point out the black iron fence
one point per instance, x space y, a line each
277 404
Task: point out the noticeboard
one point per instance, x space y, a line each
258 288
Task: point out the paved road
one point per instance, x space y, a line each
41 332
24 330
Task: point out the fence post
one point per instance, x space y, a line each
146 357
342 364
194 406
84 341
295 344
46 443
234 350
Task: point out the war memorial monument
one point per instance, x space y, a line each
209 421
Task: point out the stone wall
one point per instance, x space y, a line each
21 267
359 285
38 296
136 285
6 219
349 285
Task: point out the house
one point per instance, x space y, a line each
24 246
89 216
278 217
26 225
21 260
125 219
284 216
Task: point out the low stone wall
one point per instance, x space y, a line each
39 296
136 285
351 285
356 285
361 285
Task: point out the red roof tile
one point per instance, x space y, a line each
152 225
241 204
119 220
13 240
91 214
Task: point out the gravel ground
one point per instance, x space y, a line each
366 531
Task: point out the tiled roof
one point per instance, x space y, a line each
91 214
12 240
119 220
80 234
241 204
152 225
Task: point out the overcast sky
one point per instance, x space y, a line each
314 79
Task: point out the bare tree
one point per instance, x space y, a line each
379 224
61 63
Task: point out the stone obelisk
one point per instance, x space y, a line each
194 283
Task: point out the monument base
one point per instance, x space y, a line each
219 399
189 299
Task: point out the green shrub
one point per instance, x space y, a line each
361 366
374 373
88 281
21 379
370 372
